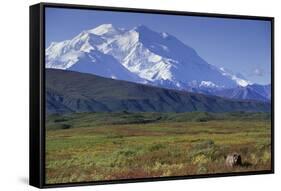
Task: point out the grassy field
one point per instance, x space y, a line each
109 146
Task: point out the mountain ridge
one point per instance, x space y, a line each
69 91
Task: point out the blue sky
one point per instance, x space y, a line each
243 46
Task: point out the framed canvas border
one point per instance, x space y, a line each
37 159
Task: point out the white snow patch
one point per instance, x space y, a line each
208 84
239 81
102 29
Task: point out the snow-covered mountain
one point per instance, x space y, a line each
144 56
238 78
250 92
138 55
81 54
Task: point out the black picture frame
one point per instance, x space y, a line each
37 93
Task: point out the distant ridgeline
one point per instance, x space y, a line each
68 91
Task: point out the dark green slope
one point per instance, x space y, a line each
68 91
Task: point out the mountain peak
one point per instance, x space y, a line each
104 29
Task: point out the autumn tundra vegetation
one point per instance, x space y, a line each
124 145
